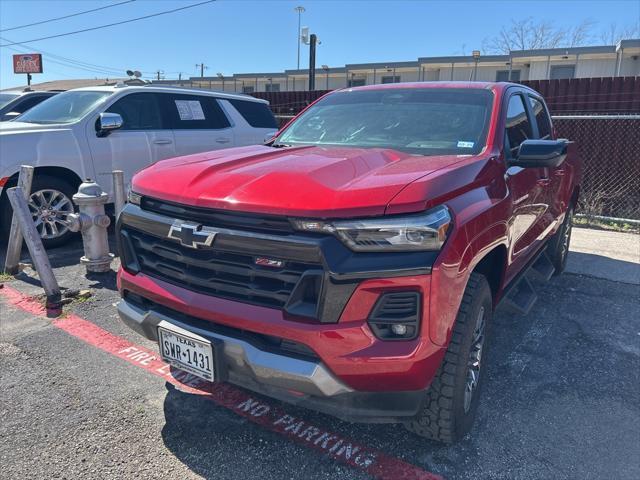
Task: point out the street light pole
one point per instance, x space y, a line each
300 11
476 57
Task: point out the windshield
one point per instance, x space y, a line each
66 107
422 121
7 97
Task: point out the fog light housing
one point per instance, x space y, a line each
396 316
399 329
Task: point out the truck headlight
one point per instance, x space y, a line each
134 198
423 231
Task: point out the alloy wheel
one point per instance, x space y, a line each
475 358
50 209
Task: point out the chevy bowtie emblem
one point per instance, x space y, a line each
192 235
268 262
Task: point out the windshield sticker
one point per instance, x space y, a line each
189 109
462 144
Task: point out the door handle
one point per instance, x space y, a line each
559 173
543 182
223 140
162 142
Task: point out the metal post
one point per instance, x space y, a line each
312 61
36 250
548 69
619 63
14 246
118 192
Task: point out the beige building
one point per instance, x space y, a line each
577 62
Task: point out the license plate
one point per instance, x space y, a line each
186 350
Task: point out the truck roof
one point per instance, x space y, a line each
443 84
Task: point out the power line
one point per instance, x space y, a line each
111 24
66 16
70 62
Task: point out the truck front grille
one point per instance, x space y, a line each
220 273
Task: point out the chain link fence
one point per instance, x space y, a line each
610 150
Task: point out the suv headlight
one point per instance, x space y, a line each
423 231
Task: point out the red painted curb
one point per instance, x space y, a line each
273 418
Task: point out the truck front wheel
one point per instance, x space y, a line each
558 249
451 401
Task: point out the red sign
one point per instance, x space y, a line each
27 63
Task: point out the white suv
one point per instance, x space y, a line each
89 132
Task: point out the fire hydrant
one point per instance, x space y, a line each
93 223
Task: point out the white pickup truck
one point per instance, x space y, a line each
89 132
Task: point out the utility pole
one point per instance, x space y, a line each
158 73
476 58
202 67
312 61
300 11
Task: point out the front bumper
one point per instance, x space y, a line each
300 381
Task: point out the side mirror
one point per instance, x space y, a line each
540 153
269 137
107 122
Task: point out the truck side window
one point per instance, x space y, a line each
194 112
256 114
517 124
139 111
542 118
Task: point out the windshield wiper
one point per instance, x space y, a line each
280 145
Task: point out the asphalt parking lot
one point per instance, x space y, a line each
82 395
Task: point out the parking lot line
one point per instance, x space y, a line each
374 462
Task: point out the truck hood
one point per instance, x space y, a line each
296 181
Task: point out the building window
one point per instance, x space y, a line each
390 79
272 87
356 82
248 89
562 71
503 76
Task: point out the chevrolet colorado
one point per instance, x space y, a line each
352 264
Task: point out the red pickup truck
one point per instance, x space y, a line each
352 264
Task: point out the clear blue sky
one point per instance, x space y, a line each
235 36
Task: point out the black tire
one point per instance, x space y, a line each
40 183
446 415
558 249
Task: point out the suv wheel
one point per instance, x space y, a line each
50 203
558 249
451 401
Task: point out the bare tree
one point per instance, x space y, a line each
531 34
581 34
613 33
